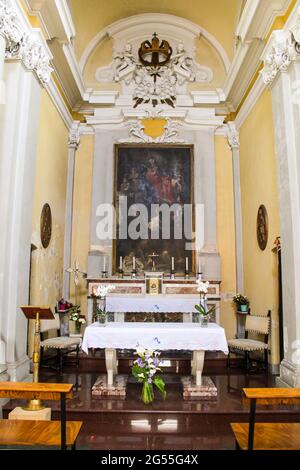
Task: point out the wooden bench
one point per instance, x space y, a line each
39 433
268 436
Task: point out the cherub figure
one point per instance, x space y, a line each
124 60
181 60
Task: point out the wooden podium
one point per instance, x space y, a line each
36 313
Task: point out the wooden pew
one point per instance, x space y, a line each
61 433
268 436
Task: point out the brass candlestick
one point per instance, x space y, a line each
36 314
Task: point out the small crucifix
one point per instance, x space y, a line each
153 258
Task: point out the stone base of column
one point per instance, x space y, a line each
4 377
289 375
19 371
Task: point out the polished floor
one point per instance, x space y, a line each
174 424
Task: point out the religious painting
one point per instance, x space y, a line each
154 203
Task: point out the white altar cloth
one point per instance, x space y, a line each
151 303
159 336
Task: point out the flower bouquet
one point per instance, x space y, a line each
144 369
75 316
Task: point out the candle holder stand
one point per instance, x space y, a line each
187 274
133 274
172 274
105 274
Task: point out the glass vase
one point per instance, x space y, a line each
147 393
77 327
203 320
101 320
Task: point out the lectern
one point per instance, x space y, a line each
36 313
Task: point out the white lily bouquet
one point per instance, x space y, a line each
145 370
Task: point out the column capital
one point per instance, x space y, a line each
74 135
284 48
24 43
233 136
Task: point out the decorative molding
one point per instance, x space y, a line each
138 25
24 45
282 50
251 100
253 27
137 134
55 17
154 84
74 135
233 136
59 103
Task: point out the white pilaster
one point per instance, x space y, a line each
205 194
2 58
282 73
74 140
234 143
19 125
287 129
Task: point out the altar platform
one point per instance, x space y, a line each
172 424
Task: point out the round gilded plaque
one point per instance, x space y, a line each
262 227
46 225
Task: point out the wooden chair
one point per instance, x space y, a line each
61 433
62 345
268 436
259 325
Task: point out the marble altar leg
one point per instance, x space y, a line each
111 363
197 366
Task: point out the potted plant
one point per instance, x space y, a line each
242 303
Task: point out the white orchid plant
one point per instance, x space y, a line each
145 369
202 308
103 290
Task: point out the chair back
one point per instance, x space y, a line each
257 324
47 325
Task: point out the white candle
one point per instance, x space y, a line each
104 264
172 263
199 264
121 262
133 263
186 264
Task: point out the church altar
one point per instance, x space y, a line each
158 336
129 299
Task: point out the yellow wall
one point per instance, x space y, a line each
82 213
259 186
226 231
218 17
50 187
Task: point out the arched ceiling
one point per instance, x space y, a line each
218 17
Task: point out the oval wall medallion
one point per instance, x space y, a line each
262 227
46 225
